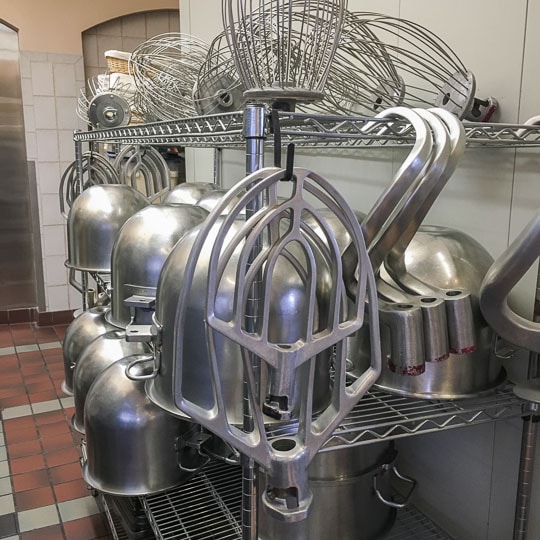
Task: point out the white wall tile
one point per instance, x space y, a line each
174 22
57 298
48 177
45 112
129 44
31 146
42 79
110 28
134 26
66 145
27 92
157 22
79 69
47 145
66 115
26 71
50 210
64 80
29 120
36 56
90 50
55 270
75 298
53 240
106 43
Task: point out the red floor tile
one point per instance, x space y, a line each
21 435
34 498
45 385
23 449
65 473
43 396
52 356
16 424
51 417
13 391
16 401
30 357
52 430
9 363
57 442
11 380
87 528
54 532
33 369
62 457
30 480
60 330
68 491
27 464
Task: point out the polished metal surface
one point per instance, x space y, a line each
381 416
132 445
292 325
17 259
502 277
96 357
94 222
216 493
79 334
345 505
142 246
189 192
288 300
447 259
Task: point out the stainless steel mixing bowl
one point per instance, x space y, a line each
94 221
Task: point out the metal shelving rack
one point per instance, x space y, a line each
378 416
227 131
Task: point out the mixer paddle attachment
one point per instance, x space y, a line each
280 365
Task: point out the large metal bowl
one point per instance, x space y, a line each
189 192
132 445
94 221
98 356
142 246
447 259
79 334
288 308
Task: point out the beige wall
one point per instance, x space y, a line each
55 26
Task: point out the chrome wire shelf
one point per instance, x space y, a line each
226 130
382 416
411 524
208 508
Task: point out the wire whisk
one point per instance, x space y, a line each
218 88
165 70
283 50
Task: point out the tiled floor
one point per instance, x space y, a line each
42 493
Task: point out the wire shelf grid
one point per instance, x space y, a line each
382 416
226 130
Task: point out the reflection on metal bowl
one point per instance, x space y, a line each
79 334
132 445
448 259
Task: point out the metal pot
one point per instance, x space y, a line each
94 221
211 199
79 334
140 250
98 356
288 306
446 259
131 444
189 192
345 505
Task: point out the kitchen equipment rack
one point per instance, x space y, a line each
214 498
227 131
378 416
